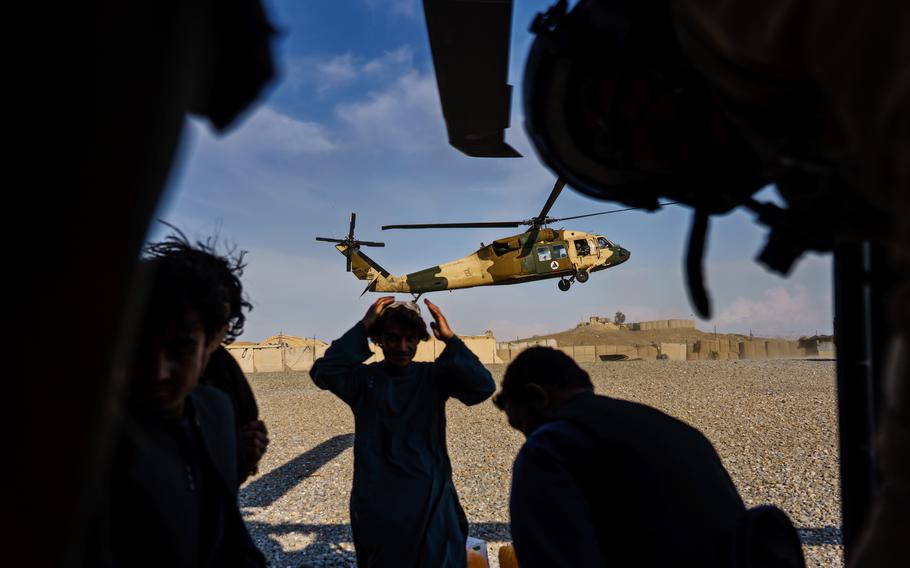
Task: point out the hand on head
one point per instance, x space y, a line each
372 315
440 326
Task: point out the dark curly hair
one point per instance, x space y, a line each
405 318
544 366
195 276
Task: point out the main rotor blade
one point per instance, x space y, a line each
328 240
605 212
348 253
557 188
351 231
492 224
469 42
369 244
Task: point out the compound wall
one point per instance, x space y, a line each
282 356
285 356
484 346
276 358
662 324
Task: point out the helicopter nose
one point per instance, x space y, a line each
623 254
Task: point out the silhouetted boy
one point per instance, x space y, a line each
174 480
221 275
404 508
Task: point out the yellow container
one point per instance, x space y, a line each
507 557
476 560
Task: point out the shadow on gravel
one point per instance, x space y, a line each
270 487
324 549
817 536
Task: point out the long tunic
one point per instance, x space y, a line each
224 373
404 508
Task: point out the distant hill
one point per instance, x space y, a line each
593 334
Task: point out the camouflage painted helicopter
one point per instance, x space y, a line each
537 254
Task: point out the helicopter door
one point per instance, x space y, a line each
551 258
582 247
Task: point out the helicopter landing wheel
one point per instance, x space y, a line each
582 276
564 285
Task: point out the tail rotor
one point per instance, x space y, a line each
351 244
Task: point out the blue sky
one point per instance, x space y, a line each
354 124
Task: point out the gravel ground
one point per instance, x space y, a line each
773 424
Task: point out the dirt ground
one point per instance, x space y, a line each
772 422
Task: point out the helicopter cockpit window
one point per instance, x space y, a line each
543 253
582 248
602 243
559 251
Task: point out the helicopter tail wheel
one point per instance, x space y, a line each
564 285
582 276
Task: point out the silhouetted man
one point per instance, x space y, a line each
404 508
607 482
174 480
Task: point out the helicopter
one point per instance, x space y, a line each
539 253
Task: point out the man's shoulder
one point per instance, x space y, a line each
558 440
222 370
610 417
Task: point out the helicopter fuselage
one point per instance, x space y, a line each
534 255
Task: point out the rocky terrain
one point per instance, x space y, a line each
772 422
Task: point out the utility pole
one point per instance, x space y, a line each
281 348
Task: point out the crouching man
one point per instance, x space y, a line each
607 482
404 508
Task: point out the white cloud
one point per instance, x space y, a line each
778 309
270 132
401 57
335 72
404 8
328 73
270 158
405 115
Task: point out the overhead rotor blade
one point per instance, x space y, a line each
348 253
369 244
375 266
557 189
351 231
469 42
605 212
493 224
330 240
